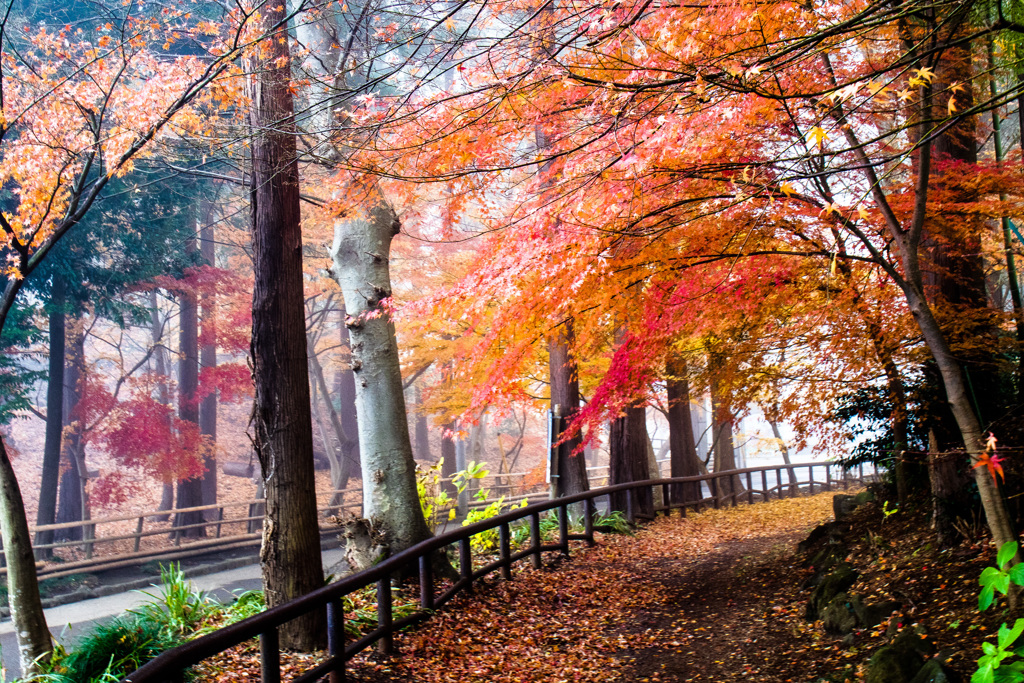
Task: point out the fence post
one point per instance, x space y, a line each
466 562
715 490
426 582
666 500
588 521
220 519
563 529
734 484
535 538
505 545
630 516
810 476
336 638
270 657
750 488
828 477
764 485
138 533
386 645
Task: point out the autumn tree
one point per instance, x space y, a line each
122 99
282 422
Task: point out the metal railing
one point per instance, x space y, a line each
170 666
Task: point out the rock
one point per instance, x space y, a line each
819 532
899 661
839 616
864 497
869 616
934 672
837 581
843 505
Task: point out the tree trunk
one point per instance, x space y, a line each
683 458
162 391
565 403
361 252
627 459
281 421
339 463
208 360
73 505
190 491
30 628
345 381
950 492
784 450
448 469
723 442
422 432
47 510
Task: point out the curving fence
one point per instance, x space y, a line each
717 489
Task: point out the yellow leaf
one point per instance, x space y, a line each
951 106
925 74
862 212
787 189
817 135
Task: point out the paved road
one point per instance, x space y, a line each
69 622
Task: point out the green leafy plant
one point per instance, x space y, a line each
993 666
107 652
614 522
887 512
178 608
432 497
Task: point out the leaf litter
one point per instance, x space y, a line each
715 596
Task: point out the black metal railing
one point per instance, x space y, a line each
170 666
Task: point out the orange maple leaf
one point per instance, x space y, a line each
991 459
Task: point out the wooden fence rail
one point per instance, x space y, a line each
99 546
171 666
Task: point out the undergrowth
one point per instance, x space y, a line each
172 616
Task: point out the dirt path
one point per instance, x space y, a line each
684 600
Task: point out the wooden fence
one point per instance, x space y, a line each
171 666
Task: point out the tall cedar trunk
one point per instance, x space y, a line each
954 281
361 253
73 505
721 432
208 361
345 380
683 458
951 495
422 432
1013 284
565 402
448 457
283 438
190 491
627 460
47 510
163 393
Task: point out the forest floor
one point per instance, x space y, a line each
713 597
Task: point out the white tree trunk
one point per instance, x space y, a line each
361 251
